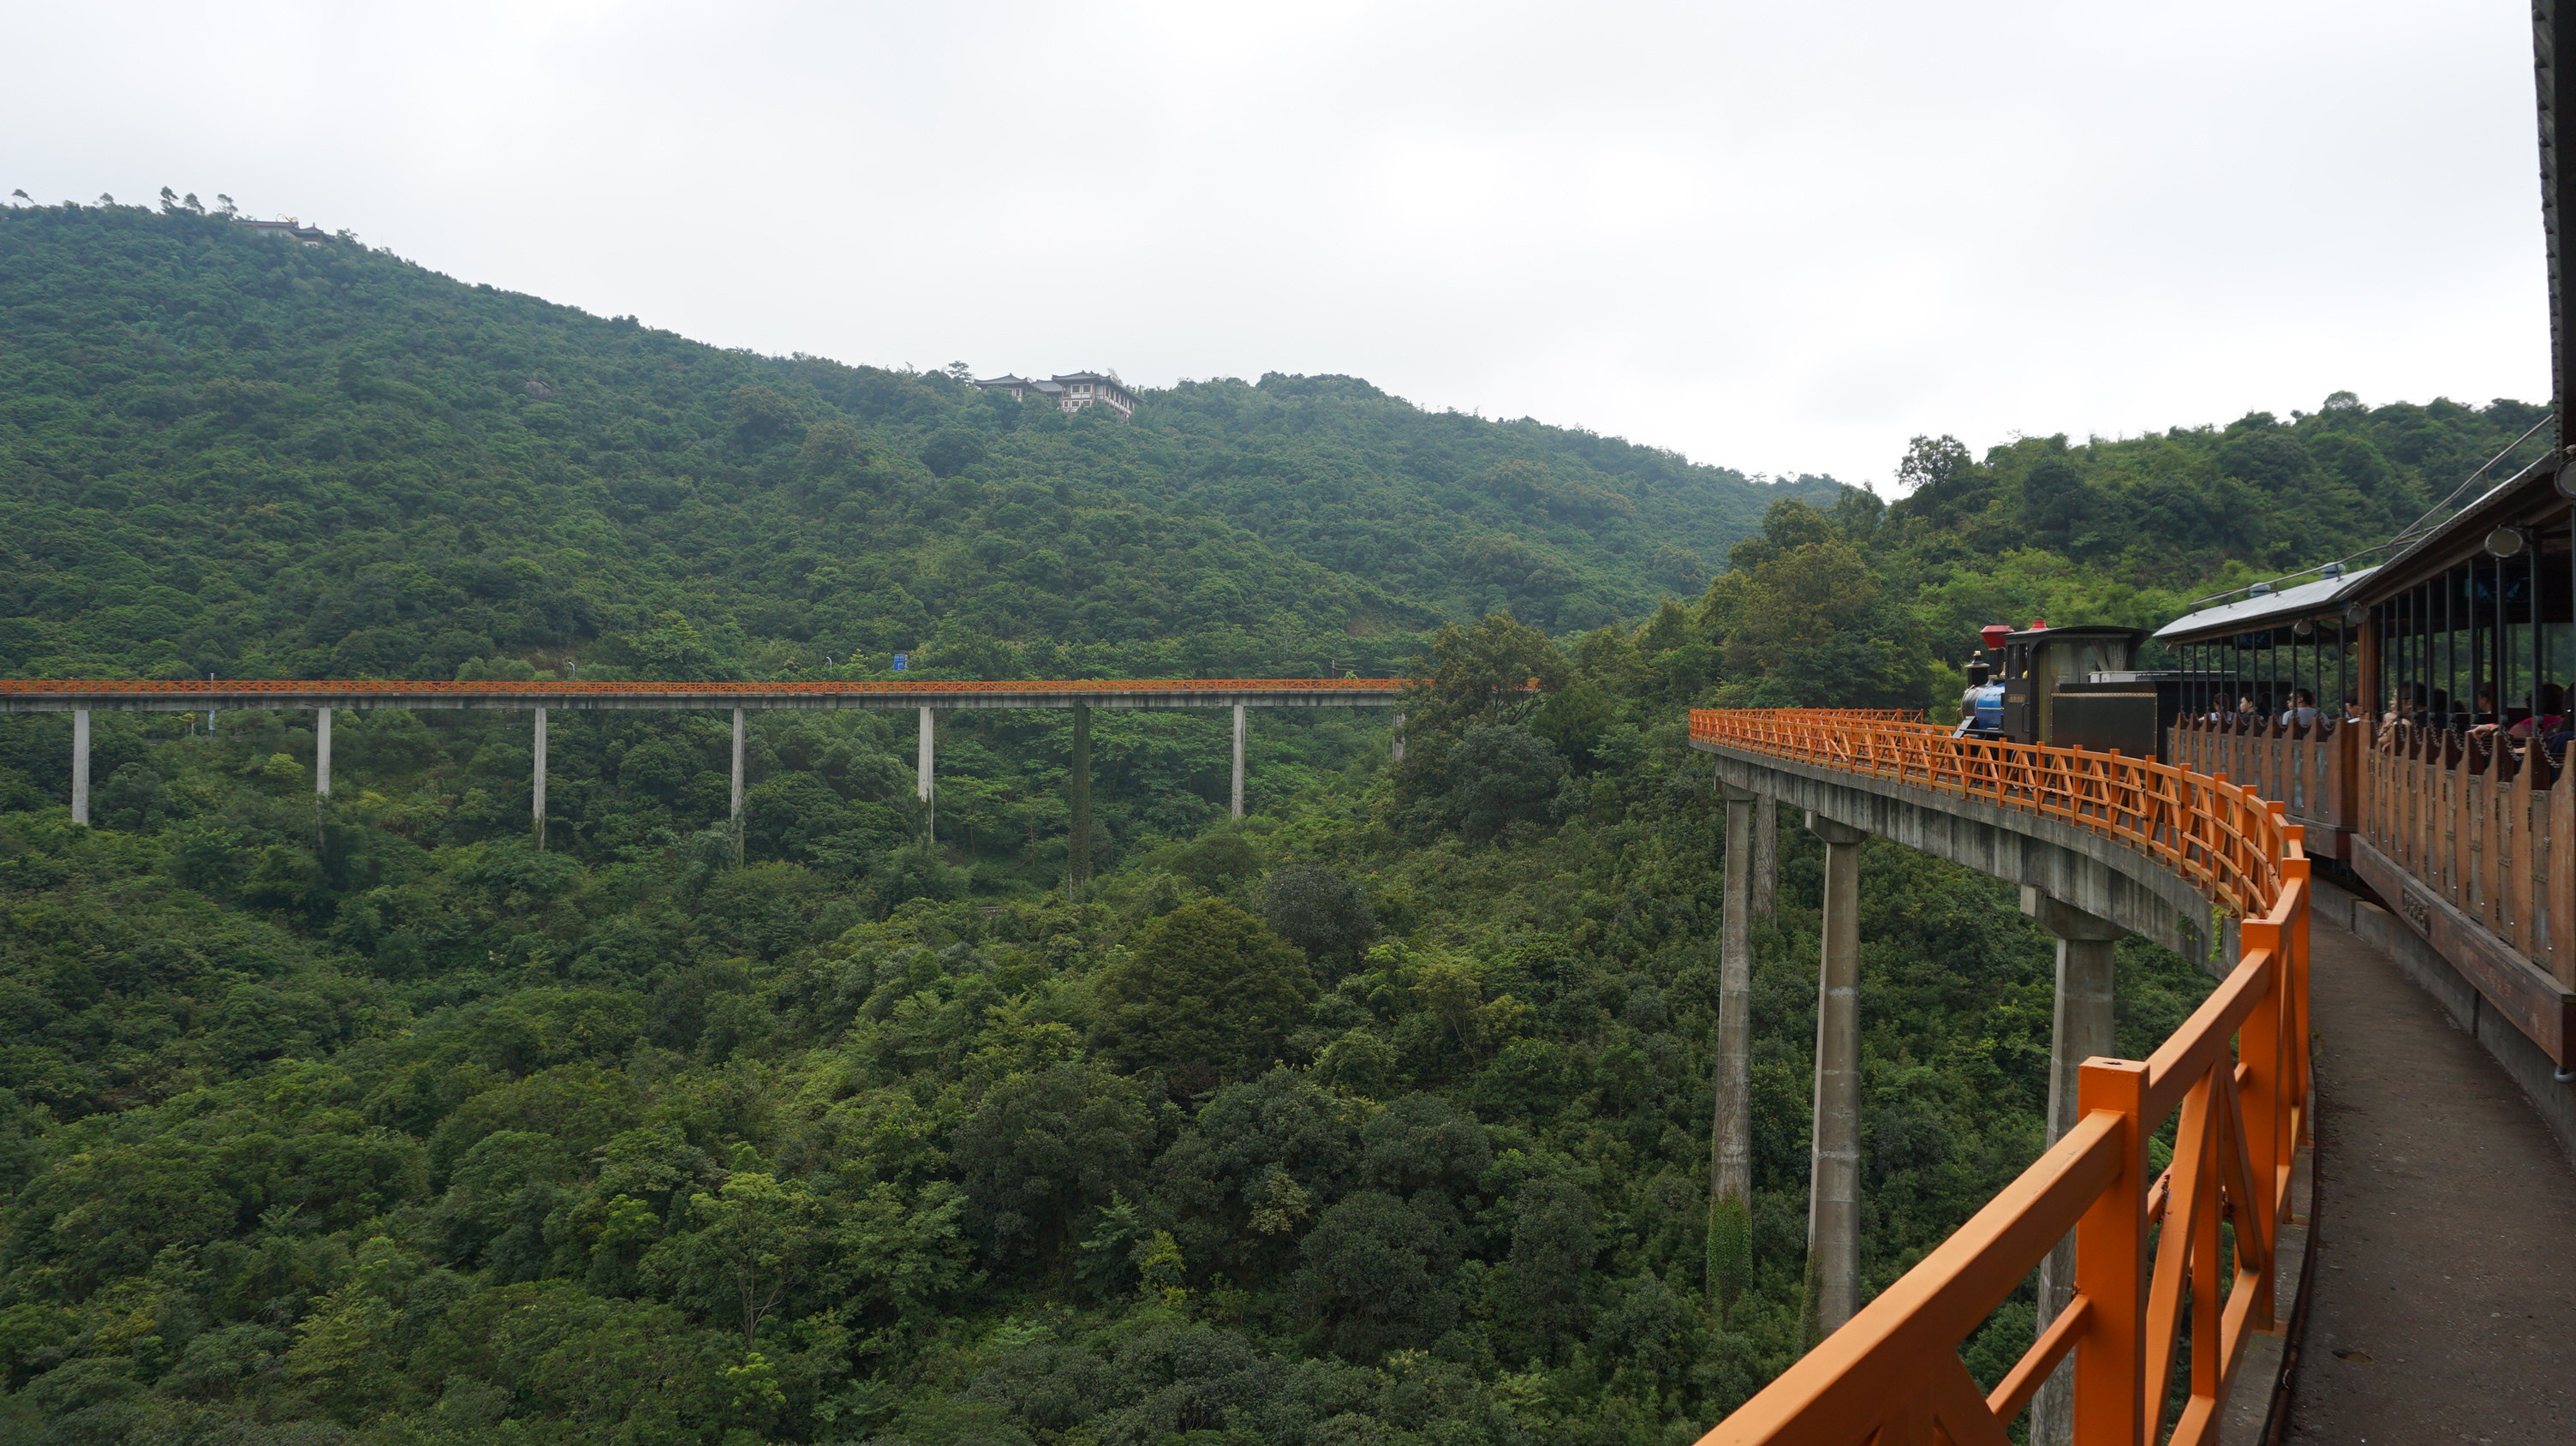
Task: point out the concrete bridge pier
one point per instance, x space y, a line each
321 753
921 774
80 766
1730 1165
740 728
1833 1189
1238 760
2080 1030
1077 836
1395 746
537 785
1766 855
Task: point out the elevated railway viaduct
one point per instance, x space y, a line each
540 700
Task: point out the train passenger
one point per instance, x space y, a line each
2546 719
2302 712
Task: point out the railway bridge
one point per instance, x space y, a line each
2135 1272
543 698
2390 877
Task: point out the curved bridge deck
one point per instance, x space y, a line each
2153 1301
2438 1308
2441 1208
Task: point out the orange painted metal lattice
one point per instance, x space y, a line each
43 688
2151 1258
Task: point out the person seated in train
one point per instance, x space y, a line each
2550 723
2248 713
2545 719
2405 714
2480 722
2302 712
2352 709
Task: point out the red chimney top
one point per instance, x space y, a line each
1994 634
2038 625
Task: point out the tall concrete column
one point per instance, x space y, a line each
1077 836
537 787
1238 760
1833 1184
1730 1165
1395 748
80 766
739 728
1730 1130
1766 856
2081 1029
921 776
322 753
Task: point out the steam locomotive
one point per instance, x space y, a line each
2072 687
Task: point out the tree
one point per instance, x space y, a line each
1207 992
1376 1276
1811 623
952 451
1044 1147
1555 1238
2055 502
1574 717
757 1238
1478 672
1501 773
673 649
1317 910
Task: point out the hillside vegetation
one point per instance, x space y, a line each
245 456
1380 1117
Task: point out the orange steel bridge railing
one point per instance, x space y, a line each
43 688
2152 1262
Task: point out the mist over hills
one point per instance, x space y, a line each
234 453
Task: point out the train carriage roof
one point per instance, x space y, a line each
2308 599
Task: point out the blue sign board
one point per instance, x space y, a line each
900 660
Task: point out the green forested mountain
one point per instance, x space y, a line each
236 454
1378 1118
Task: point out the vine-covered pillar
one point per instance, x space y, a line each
2080 1030
1730 1142
1833 1183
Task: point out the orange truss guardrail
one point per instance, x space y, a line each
2151 1260
42 688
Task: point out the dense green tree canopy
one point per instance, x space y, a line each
1380 1115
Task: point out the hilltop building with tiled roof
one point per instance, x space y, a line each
1071 391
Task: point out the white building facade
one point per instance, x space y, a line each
1070 391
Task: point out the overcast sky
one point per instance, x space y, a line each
1781 237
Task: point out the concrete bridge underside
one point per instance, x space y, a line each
2080 869
2087 888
